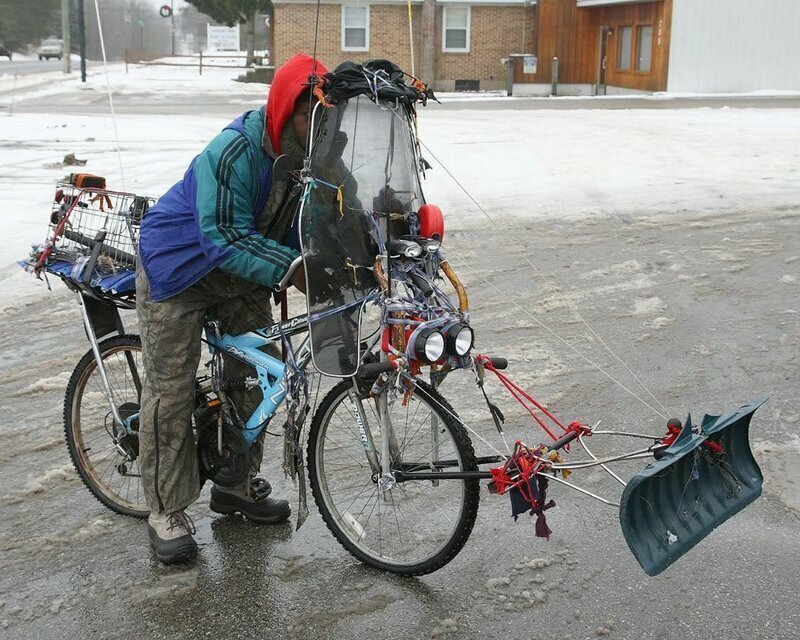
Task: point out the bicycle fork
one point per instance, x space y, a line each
390 450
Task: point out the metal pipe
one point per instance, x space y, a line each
605 468
584 491
87 323
583 464
625 433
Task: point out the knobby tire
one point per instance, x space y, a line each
75 389
470 497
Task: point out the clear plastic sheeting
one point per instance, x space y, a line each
363 187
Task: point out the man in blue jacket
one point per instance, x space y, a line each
216 241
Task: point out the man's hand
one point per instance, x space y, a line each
298 278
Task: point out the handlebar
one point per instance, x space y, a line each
374 369
283 283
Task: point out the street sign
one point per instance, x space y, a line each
128 18
223 38
165 11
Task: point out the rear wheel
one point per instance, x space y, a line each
418 526
106 456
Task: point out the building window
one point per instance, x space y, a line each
455 29
644 48
624 48
355 27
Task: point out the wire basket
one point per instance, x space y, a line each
88 223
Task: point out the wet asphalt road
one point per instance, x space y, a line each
93 101
28 67
705 308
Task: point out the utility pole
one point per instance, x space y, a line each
427 66
65 47
82 36
172 19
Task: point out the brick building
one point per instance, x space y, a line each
602 46
465 42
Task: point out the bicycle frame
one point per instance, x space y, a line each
246 347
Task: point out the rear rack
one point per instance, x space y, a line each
92 240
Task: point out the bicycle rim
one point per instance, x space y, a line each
417 526
111 475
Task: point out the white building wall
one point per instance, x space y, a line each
734 45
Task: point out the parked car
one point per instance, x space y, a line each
50 48
4 51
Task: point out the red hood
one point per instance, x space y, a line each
290 81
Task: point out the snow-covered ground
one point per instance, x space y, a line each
517 164
543 164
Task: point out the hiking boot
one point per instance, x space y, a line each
257 505
171 536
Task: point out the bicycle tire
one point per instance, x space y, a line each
74 432
469 499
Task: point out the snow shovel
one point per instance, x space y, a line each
706 476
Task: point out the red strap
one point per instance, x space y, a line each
522 396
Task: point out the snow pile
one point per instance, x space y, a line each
647 306
53 383
579 164
149 80
40 484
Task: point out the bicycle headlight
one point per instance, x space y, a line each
429 345
460 339
412 251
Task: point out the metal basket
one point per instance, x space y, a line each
90 223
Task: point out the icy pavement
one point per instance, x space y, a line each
677 237
68 567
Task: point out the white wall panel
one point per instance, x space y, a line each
734 45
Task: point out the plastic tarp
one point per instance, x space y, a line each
363 186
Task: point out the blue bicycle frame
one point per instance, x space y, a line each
246 347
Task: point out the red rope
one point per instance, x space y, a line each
520 395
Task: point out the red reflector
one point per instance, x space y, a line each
431 222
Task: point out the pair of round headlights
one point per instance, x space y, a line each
430 344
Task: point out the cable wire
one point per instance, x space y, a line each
663 412
110 96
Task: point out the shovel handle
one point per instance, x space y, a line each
563 441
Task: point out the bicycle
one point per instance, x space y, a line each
391 465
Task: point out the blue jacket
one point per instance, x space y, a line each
208 220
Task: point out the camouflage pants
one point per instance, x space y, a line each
171 351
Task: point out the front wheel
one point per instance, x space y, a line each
416 527
106 456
